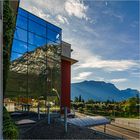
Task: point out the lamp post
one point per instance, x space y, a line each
56 93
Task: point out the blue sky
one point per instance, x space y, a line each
104 36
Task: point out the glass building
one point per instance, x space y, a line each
40 66
34 77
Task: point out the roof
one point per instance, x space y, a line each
89 121
71 60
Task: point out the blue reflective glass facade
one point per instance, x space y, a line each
35 31
35 67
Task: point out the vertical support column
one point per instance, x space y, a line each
1 70
49 118
38 110
105 128
65 84
65 118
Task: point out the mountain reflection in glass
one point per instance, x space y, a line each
34 77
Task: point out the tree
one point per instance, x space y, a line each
83 100
80 98
130 106
90 101
76 99
137 98
132 102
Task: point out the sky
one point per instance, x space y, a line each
103 34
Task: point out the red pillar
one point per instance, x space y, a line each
65 83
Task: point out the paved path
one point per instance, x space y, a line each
115 130
126 127
118 131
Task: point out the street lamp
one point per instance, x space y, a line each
56 93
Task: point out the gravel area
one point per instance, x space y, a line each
55 130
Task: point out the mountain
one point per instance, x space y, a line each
36 61
34 71
101 91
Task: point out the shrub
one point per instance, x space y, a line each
77 105
80 109
89 107
10 130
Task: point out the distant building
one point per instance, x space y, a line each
10 105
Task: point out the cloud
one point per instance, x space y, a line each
113 14
94 61
134 24
118 80
62 19
136 74
82 76
76 8
52 7
91 31
109 65
37 10
40 13
57 11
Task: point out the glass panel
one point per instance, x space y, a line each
15 56
49 42
21 22
53 85
36 40
54 28
16 84
17 74
54 36
22 12
17 59
54 51
37 19
20 34
37 78
31 48
19 46
36 28
53 76
18 66
37 62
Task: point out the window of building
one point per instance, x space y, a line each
34 74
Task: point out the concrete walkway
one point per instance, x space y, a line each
126 127
130 122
